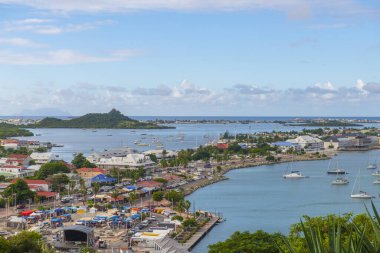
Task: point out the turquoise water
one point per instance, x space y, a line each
259 198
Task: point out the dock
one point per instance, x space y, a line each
197 237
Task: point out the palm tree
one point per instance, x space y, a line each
115 194
187 205
83 190
95 189
132 197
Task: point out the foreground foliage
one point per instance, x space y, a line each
24 242
328 234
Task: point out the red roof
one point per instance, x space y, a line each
92 170
18 156
46 194
31 181
149 184
12 166
171 177
222 145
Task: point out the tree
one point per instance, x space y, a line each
160 180
257 242
24 242
132 197
80 161
58 182
51 168
21 191
173 196
2 178
95 189
188 223
83 189
187 205
158 195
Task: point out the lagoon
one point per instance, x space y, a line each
259 198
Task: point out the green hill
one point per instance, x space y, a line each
113 119
8 130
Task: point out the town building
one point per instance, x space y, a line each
41 158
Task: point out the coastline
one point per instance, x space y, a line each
239 164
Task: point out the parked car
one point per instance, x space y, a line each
20 206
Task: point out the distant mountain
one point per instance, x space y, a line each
113 119
43 112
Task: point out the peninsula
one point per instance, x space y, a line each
8 130
113 119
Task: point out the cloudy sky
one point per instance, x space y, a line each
190 57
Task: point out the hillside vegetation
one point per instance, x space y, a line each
7 130
113 119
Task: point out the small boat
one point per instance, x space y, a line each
376 173
143 144
340 181
377 181
362 195
372 166
336 171
295 174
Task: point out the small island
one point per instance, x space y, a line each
321 123
114 119
8 130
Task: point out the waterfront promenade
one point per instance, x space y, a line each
201 233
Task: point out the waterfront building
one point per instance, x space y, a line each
285 146
116 152
41 158
308 142
130 161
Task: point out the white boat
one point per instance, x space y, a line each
376 173
295 174
372 166
377 181
362 195
340 181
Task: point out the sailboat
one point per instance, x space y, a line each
372 166
294 174
336 171
360 194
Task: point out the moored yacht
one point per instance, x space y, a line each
295 174
372 166
362 195
340 181
336 171
376 173
377 181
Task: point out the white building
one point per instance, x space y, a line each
117 152
41 158
17 171
308 142
158 153
129 161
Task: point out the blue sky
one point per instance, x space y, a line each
190 57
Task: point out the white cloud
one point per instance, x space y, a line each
293 8
186 98
21 42
49 26
55 57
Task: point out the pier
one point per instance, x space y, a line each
190 244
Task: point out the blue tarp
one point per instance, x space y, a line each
131 187
101 178
56 220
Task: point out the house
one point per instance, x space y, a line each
173 180
41 158
18 159
222 145
36 185
308 142
16 171
10 144
90 172
129 161
150 184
